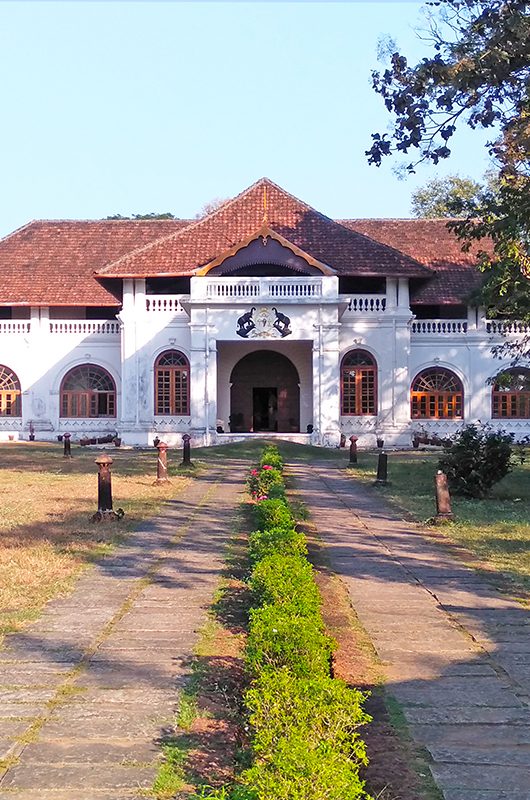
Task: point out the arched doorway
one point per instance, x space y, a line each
265 394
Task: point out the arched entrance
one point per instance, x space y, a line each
265 394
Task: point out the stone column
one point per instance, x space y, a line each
129 408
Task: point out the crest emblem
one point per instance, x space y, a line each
263 323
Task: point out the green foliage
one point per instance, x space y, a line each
319 709
285 541
286 581
445 197
479 75
151 215
273 513
278 638
478 458
264 482
271 456
298 772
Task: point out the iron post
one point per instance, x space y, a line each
353 449
161 464
186 450
443 497
382 469
67 452
105 511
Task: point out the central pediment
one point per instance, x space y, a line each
265 254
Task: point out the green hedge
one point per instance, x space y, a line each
273 513
286 581
276 541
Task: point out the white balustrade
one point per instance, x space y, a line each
84 327
164 303
504 327
367 303
15 326
263 289
439 326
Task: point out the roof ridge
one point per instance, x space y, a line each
18 230
399 219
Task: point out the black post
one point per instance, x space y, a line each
382 469
443 497
161 464
67 453
104 483
353 449
186 449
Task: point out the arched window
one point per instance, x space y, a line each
358 384
436 394
172 384
10 405
511 395
88 391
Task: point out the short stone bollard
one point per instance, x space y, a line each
186 451
105 512
382 469
161 464
443 497
67 447
353 449
342 440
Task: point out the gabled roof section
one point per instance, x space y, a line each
266 233
430 242
189 250
53 262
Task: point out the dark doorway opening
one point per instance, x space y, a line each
265 409
265 394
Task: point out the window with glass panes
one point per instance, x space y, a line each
88 391
172 378
10 400
358 384
511 395
436 394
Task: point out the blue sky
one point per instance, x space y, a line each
126 107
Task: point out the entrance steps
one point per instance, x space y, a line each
229 438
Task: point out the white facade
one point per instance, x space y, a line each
324 327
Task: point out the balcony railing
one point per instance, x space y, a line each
84 327
504 327
439 326
165 303
367 303
15 326
265 289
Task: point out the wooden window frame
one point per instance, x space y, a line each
510 403
172 385
362 389
437 402
89 402
10 393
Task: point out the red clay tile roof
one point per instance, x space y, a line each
430 242
53 262
347 252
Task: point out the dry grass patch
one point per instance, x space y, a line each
46 536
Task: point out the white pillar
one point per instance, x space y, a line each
391 293
129 409
403 293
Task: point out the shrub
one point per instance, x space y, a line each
273 513
478 458
286 541
286 581
319 709
265 481
298 772
271 457
278 638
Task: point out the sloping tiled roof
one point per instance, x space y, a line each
53 262
345 251
430 242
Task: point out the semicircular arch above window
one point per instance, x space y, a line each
172 384
88 391
436 393
510 398
10 394
358 384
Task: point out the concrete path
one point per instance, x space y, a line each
86 692
456 652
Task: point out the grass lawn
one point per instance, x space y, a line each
45 531
495 530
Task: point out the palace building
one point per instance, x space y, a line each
265 316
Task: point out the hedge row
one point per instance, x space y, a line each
304 739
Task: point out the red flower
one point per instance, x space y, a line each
266 466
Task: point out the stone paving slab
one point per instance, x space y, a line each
103 668
456 653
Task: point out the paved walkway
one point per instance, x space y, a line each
456 653
94 683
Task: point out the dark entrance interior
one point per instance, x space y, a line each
265 394
265 409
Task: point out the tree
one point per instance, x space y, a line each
210 207
479 75
445 197
152 215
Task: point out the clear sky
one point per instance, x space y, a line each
133 107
